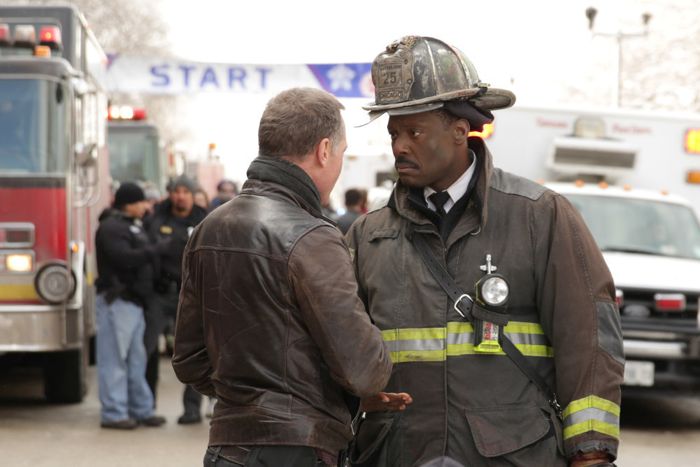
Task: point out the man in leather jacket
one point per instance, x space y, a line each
269 321
457 388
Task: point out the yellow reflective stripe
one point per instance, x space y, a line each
592 425
404 356
516 327
591 413
459 339
458 327
592 402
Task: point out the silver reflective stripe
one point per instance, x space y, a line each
460 338
416 344
528 339
591 414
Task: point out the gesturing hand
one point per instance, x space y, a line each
386 401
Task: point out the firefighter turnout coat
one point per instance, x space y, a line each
480 409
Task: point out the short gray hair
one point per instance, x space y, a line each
295 120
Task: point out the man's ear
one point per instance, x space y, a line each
460 129
323 151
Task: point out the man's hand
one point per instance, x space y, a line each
386 401
591 459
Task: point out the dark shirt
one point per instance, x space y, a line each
163 226
345 221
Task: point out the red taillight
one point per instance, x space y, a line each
669 302
51 36
126 112
619 298
139 114
4 34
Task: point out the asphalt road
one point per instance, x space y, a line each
656 431
34 433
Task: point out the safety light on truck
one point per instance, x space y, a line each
19 262
25 35
669 302
485 132
125 112
54 283
619 298
692 141
4 34
51 36
693 176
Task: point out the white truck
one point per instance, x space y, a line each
642 149
635 177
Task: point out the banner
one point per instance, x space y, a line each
172 76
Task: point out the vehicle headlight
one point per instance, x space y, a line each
493 290
19 262
54 283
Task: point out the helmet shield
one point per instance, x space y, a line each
417 74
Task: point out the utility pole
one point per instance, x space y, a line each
619 36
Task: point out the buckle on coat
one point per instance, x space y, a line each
459 300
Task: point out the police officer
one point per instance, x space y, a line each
125 259
526 372
173 220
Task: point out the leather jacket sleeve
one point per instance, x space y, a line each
190 358
322 278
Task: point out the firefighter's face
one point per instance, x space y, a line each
429 150
182 200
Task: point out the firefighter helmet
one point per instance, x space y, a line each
418 74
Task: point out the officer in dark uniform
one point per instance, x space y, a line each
124 289
173 219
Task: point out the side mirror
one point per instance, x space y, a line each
86 154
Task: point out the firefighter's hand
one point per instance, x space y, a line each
386 401
592 459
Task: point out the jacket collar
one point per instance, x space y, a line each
475 215
288 176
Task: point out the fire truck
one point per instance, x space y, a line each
54 182
136 153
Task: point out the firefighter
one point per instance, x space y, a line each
173 220
489 289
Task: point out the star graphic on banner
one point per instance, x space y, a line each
341 78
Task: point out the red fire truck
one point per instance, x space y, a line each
54 182
135 149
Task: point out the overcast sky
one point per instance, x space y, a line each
537 48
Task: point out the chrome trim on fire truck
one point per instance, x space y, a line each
33 328
18 226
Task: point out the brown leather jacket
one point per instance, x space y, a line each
269 321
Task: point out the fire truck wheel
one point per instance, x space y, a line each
65 376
